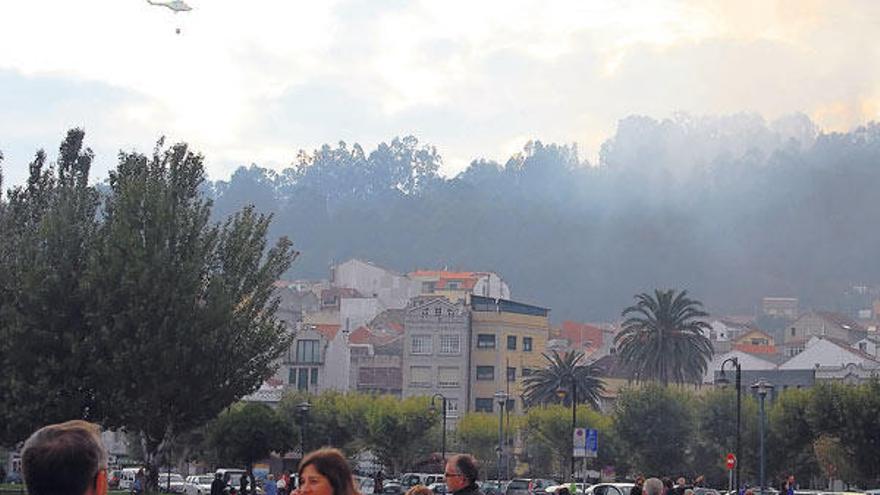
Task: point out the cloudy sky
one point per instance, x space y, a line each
255 81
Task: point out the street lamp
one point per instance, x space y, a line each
501 397
724 381
303 408
762 387
443 434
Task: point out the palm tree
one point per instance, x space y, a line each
663 338
565 375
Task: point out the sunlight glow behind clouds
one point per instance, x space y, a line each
494 72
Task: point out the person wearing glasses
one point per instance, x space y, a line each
66 458
461 475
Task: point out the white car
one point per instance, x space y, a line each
199 485
609 489
553 489
171 483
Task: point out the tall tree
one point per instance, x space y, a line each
185 307
663 338
51 367
563 379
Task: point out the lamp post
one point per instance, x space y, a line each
443 412
501 397
762 387
723 380
303 408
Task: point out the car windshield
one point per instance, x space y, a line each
171 477
205 480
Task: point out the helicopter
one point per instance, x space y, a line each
175 5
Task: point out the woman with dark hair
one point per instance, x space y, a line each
325 472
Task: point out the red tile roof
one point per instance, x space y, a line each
361 335
756 349
580 334
328 330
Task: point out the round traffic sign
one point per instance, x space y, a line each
731 461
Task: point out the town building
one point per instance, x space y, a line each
318 359
822 324
507 341
392 289
436 354
458 285
780 307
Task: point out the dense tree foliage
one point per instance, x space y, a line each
565 379
133 310
664 338
733 208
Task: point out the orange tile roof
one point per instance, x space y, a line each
441 274
327 330
579 333
756 349
361 335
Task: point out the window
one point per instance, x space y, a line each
420 376
438 311
425 312
450 312
511 374
511 404
302 380
314 378
483 405
291 377
451 408
307 351
450 344
792 331
511 342
485 372
485 341
527 372
527 344
447 376
421 344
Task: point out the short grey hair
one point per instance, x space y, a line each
653 486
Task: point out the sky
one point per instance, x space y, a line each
255 81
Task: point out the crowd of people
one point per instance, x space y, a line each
69 459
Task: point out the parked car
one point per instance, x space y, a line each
491 487
126 477
199 484
392 489
555 488
705 491
427 479
172 483
14 477
609 489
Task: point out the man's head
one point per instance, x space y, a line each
653 486
461 471
65 459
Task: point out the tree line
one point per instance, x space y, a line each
130 306
734 208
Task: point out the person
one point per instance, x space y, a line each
790 485
218 486
637 487
461 475
419 490
286 479
243 484
270 488
378 482
139 483
282 485
668 488
325 472
65 458
653 486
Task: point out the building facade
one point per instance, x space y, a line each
507 339
318 359
436 353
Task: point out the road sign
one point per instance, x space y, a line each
731 461
592 443
578 439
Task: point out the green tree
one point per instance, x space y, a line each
334 419
547 436
247 433
51 365
401 431
663 338
564 374
477 434
655 425
790 437
715 435
185 307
